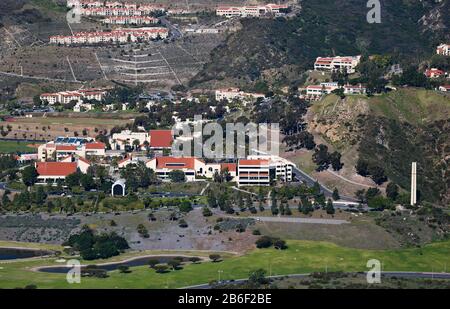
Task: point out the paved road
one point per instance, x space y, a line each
398 274
293 220
304 177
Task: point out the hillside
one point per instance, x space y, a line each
409 28
391 131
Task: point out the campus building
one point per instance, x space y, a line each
79 96
253 172
51 172
63 147
338 63
251 11
114 36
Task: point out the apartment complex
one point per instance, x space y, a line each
79 96
113 36
443 49
251 11
338 63
130 20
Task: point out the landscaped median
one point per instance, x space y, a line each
300 257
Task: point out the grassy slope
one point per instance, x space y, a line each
301 257
13 147
400 127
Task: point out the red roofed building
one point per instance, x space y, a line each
53 171
161 139
94 149
232 169
189 165
434 73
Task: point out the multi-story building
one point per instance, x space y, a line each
126 139
63 147
191 167
253 172
78 96
130 20
251 11
280 168
120 36
346 63
443 49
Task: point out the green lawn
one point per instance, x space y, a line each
301 257
13 147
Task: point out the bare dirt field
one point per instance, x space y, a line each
46 128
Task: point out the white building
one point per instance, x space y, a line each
127 138
230 94
282 168
253 172
443 49
121 36
251 11
346 63
79 96
130 20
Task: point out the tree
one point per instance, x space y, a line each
321 157
73 179
174 263
214 257
160 269
87 182
185 206
279 244
264 242
258 277
124 269
142 230
330 208
206 212
177 176
153 262
336 194
392 191
29 175
372 192
40 196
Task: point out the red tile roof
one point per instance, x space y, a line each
161 138
56 168
66 147
231 167
253 162
96 145
175 163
